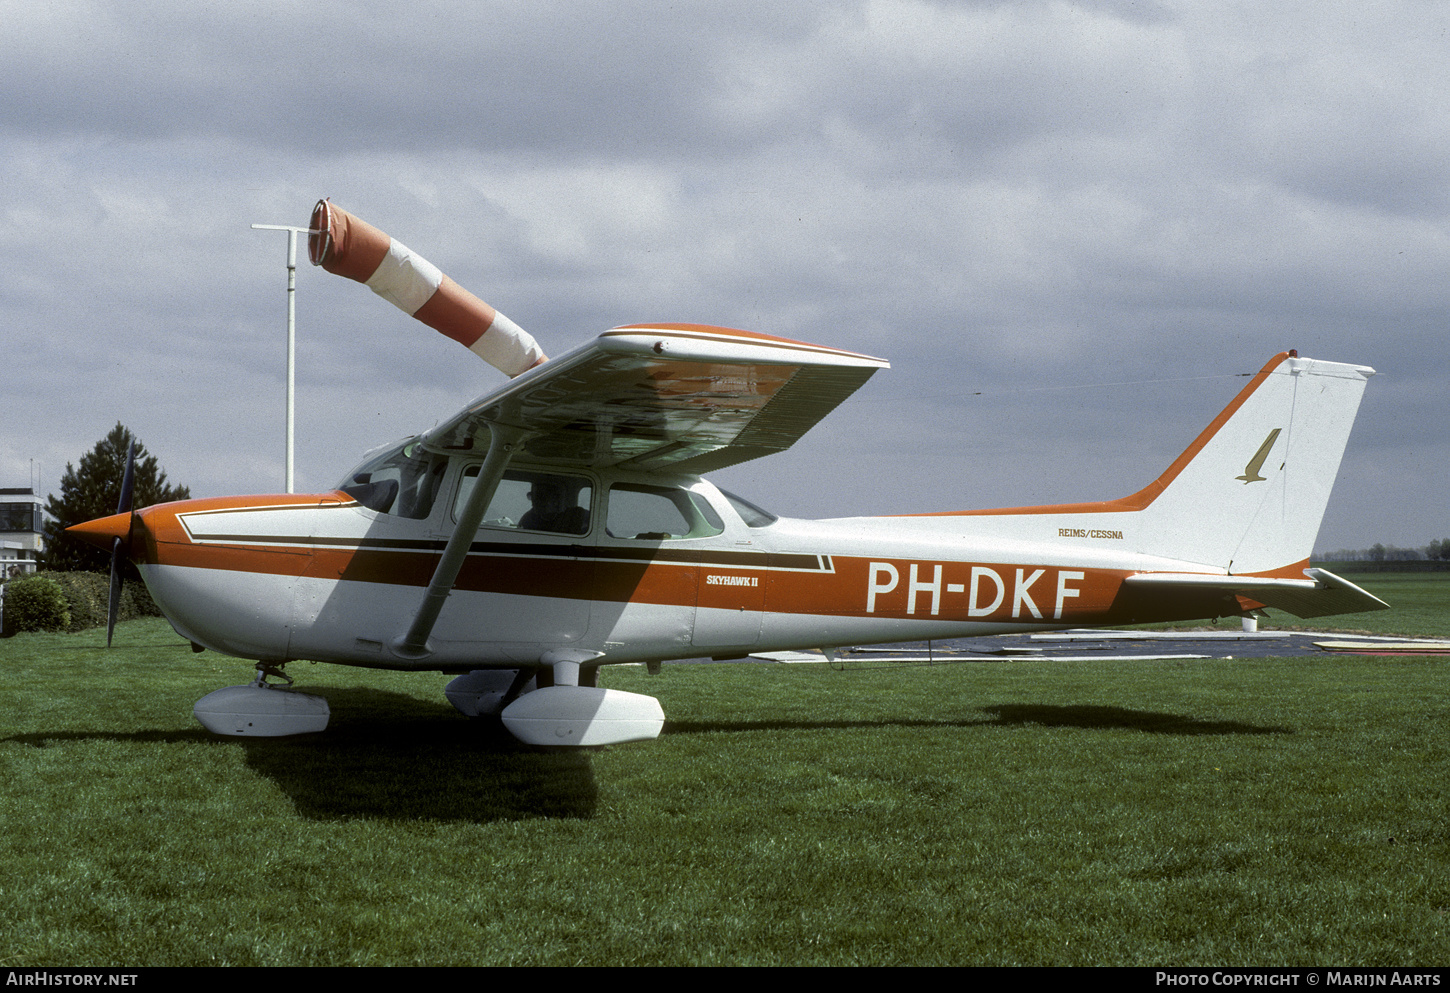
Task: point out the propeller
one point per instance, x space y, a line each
119 545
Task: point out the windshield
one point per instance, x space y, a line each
403 480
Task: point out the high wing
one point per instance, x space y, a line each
664 397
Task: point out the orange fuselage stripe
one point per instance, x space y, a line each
835 585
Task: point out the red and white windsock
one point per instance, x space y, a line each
347 246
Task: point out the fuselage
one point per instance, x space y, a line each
645 567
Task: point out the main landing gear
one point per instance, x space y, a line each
564 713
261 709
539 705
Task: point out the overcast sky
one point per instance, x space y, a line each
1070 227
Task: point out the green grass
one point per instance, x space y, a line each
1274 811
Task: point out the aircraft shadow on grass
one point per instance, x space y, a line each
1123 718
392 756
1046 715
396 756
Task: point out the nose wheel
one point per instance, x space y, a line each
262 709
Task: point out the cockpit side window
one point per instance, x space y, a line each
533 501
403 481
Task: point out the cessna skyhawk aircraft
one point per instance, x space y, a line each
560 523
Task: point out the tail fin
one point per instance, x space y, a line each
1249 494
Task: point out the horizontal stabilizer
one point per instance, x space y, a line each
1320 595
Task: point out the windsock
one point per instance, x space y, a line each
350 247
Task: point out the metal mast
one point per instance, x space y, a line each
291 331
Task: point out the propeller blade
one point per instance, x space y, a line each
128 479
119 545
113 602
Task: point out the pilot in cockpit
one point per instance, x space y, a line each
555 508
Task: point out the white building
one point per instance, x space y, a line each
21 532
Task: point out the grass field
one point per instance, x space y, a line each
1258 811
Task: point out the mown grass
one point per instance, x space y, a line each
1247 812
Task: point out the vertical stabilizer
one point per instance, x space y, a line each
1249 494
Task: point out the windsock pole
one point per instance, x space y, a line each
347 246
291 334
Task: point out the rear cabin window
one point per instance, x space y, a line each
753 516
659 513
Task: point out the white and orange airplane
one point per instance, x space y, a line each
559 524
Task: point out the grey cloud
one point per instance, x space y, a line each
999 197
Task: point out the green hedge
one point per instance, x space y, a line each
35 603
70 601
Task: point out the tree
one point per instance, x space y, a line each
93 491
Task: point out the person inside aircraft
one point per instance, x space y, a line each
554 508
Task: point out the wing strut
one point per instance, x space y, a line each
501 444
